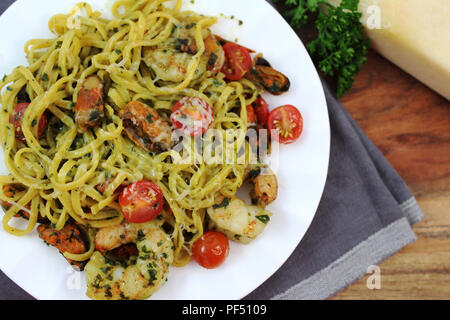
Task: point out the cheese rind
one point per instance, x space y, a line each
413 34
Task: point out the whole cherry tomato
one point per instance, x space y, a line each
211 249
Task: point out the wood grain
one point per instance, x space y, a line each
410 124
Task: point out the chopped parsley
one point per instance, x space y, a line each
181 44
152 273
149 118
145 257
223 204
140 235
212 59
263 218
108 292
94 116
254 173
105 270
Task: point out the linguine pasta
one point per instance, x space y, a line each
57 174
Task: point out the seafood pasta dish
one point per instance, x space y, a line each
127 139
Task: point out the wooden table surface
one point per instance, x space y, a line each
410 124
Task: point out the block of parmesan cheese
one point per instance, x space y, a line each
413 34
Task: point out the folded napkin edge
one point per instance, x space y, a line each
412 211
352 265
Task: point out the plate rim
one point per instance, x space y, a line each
327 142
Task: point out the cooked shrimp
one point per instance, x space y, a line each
68 239
215 54
169 64
145 127
170 61
90 109
265 184
237 220
140 276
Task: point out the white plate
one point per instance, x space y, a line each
45 274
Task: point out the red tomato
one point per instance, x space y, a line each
251 117
141 201
192 116
262 111
16 120
211 249
288 121
238 61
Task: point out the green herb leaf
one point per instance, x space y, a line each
340 48
254 173
140 235
223 204
263 218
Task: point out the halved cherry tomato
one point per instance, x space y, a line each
211 249
262 111
16 120
251 117
141 201
192 116
288 121
237 61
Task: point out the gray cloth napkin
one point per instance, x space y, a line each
365 216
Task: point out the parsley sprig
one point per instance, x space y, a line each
340 47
